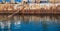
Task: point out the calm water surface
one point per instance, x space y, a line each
30 23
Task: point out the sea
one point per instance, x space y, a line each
30 23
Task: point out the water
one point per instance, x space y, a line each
30 23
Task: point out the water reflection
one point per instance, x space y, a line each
30 23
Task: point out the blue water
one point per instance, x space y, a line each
31 23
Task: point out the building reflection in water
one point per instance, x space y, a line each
30 23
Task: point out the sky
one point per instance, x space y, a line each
19 0
9 0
